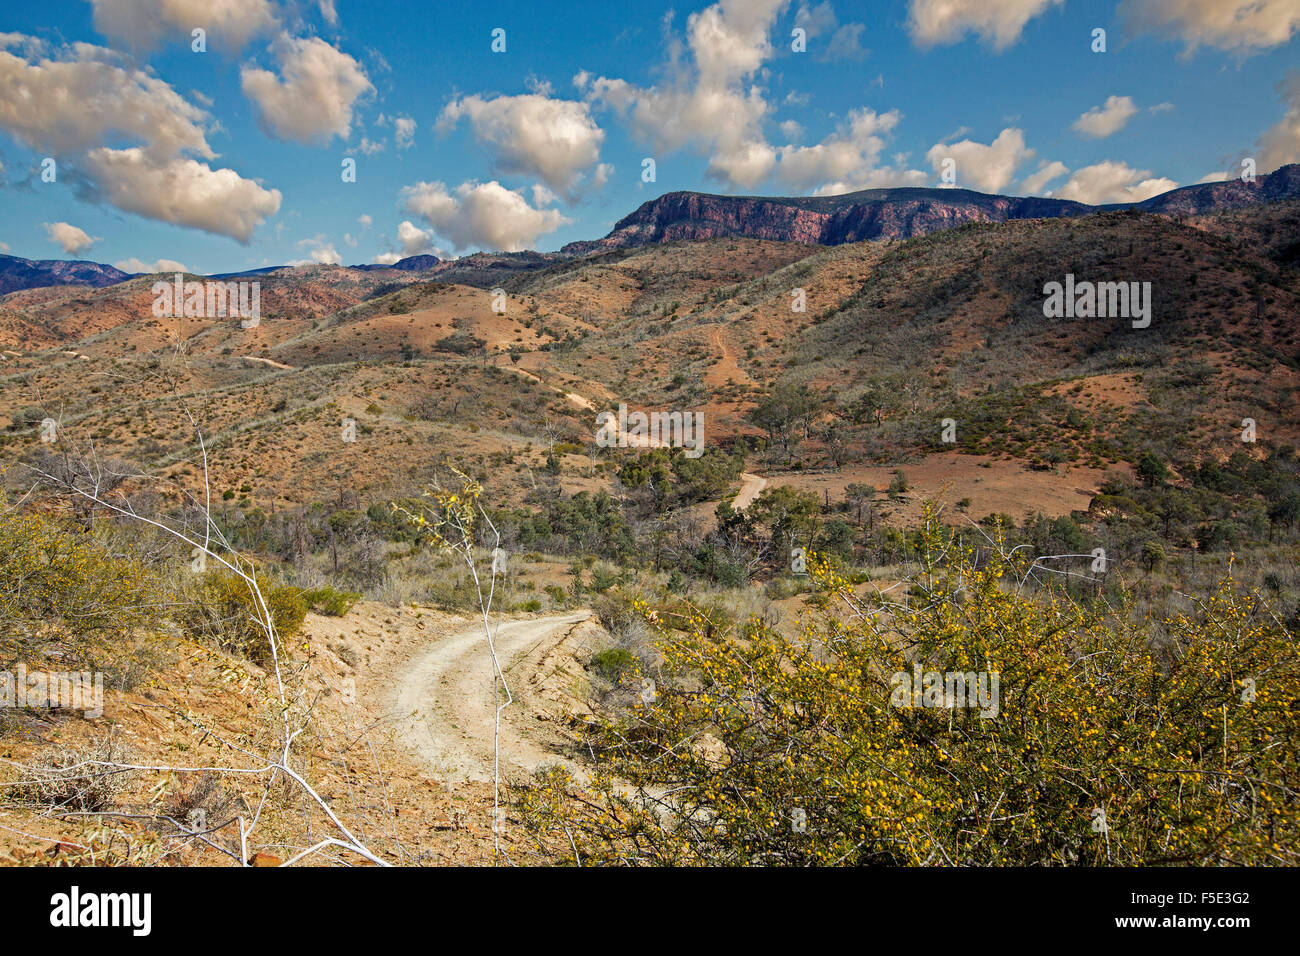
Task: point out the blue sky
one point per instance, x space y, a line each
231 159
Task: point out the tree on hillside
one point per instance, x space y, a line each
1285 512
858 494
876 399
790 515
651 470
1151 470
836 441
786 415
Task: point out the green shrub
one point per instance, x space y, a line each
613 663
220 608
1179 733
330 601
57 583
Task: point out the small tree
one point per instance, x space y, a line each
1151 470
790 516
898 484
1153 554
858 494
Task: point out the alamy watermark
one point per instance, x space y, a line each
978 690
654 429
209 299
75 690
75 908
1099 300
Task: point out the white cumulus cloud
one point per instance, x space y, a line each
321 252
987 168
554 140
142 24
82 96
1243 26
1036 181
486 215
1280 144
415 241
848 159
710 99
998 22
705 99
845 41
404 132
1112 182
158 265
181 191
73 239
82 103
1102 121
312 99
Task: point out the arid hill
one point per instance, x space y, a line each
949 325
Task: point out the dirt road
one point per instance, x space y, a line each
269 363
444 700
573 397
751 486
727 368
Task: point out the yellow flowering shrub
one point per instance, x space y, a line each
447 518
1116 739
58 584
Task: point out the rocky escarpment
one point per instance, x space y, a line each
1282 183
870 214
893 213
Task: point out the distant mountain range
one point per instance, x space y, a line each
480 268
895 213
818 220
18 273
409 264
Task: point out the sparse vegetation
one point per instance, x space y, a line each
1100 713
1108 539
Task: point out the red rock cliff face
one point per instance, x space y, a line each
892 213
696 216
1282 183
829 221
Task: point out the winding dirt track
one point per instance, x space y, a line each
750 488
445 705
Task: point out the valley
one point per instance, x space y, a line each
359 455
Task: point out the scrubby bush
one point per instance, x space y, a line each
329 600
613 662
60 584
75 778
221 607
1115 739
